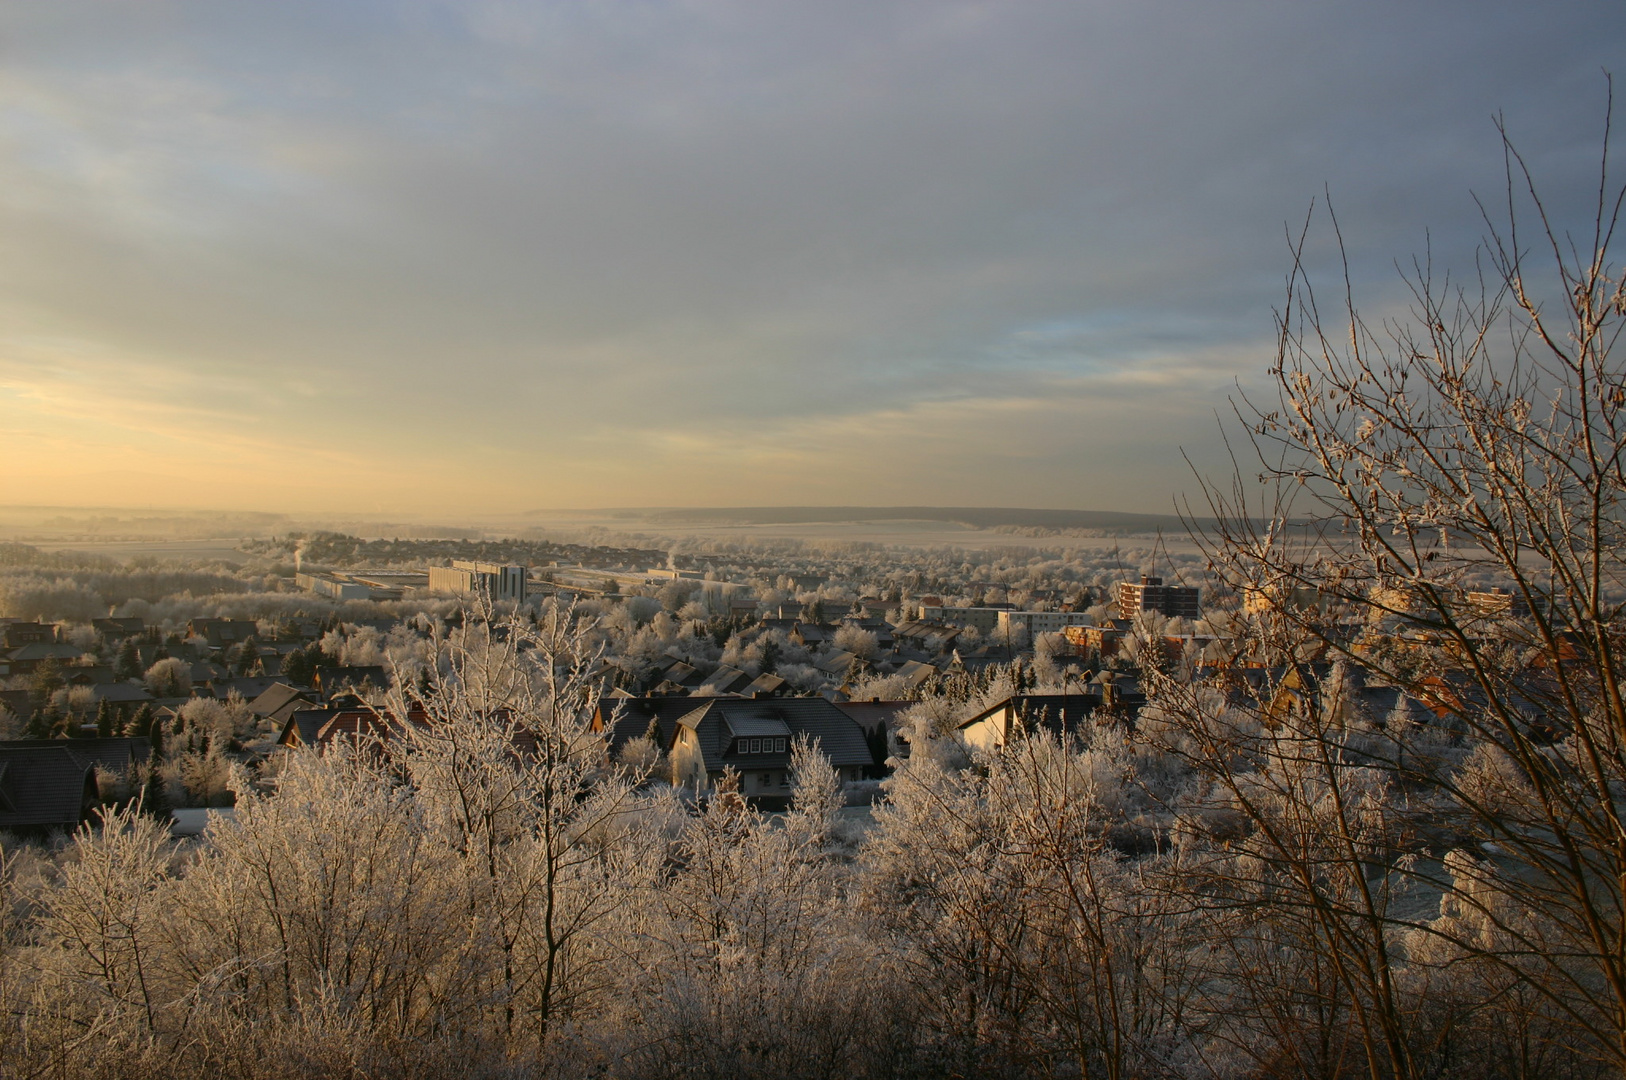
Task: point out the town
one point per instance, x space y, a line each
1055 642
812 541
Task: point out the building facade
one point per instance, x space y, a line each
1039 622
1150 594
466 578
982 619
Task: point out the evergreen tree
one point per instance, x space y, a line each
141 726
653 731
104 719
154 799
299 666
48 679
39 724
128 663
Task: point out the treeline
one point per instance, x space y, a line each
340 550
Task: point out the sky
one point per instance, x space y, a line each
476 257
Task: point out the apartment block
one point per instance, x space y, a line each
983 619
1150 594
1040 622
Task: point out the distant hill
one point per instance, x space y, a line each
982 517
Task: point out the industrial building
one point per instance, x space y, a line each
467 578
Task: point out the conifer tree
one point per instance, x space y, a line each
141 725
128 663
154 799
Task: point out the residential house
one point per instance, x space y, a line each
765 685
14 633
278 702
754 737
45 787
51 783
727 680
332 679
27 659
1062 714
116 630
222 633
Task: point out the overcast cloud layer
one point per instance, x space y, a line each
470 256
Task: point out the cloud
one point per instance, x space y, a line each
663 252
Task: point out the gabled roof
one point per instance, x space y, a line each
681 673
248 687
1054 712
302 725
122 626
628 718
45 650
715 725
279 701
332 677
764 684
837 663
728 680
43 786
318 727
52 782
119 693
870 715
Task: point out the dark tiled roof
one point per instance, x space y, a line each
870 715
764 684
248 687
17 703
729 680
1054 712
838 736
276 698
42 786
329 679
51 782
45 650
122 627
114 753
302 725
120 693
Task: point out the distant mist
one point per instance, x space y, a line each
981 517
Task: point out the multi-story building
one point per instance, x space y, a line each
1039 622
332 587
983 619
666 573
466 578
1150 594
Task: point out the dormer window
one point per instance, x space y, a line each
779 746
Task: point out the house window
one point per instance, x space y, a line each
779 746
752 745
766 779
